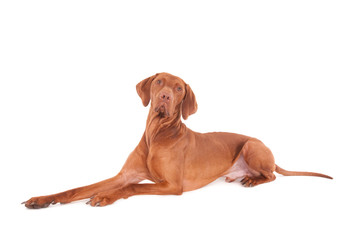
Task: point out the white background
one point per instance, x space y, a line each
286 72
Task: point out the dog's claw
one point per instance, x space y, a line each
247 182
91 198
45 205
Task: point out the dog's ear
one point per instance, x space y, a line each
143 89
189 105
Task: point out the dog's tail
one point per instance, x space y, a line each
292 173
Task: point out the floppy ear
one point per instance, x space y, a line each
143 89
189 105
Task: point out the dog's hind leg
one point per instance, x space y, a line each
260 162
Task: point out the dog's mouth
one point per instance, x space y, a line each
162 110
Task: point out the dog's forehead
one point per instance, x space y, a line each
169 78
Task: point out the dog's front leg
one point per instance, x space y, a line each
75 194
108 197
169 181
134 171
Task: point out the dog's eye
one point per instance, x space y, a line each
179 89
159 82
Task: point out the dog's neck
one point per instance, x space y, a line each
159 127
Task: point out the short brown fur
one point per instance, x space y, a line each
174 157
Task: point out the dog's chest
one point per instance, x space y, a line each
161 159
155 163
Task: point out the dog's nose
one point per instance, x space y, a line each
165 96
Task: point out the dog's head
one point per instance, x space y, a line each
168 94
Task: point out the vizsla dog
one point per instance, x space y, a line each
174 157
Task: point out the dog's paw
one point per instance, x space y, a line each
39 202
108 197
101 200
248 182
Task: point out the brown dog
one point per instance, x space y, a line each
175 158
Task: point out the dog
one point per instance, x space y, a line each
175 158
